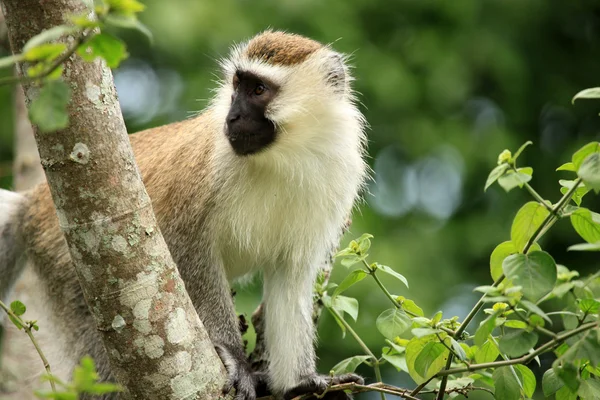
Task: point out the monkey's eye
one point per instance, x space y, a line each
259 89
236 82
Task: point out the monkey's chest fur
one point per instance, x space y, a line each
279 217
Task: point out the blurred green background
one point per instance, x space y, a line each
445 86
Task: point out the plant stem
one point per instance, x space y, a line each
361 344
552 215
373 273
27 329
525 359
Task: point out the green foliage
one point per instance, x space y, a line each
84 381
46 52
524 278
49 109
105 46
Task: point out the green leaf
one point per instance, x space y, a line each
364 243
589 389
49 110
494 175
349 365
581 154
121 21
534 272
591 93
420 332
18 308
516 324
527 379
410 306
389 271
413 350
458 350
586 224
392 323
397 360
485 329
45 52
512 179
550 383
430 356
110 48
506 386
569 375
487 352
502 251
49 35
589 306
517 342
567 167
526 222
125 7
590 171
586 348
564 393
348 305
585 247
532 307
352 278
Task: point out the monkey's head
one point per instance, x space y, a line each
281 90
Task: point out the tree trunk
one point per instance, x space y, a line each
122 261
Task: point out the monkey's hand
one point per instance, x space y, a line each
317 384
240 375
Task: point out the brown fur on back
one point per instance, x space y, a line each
280 48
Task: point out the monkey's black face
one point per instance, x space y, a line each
246 127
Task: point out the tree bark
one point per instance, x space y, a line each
148 324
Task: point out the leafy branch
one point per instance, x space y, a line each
14 312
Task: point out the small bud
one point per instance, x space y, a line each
504 157
500 307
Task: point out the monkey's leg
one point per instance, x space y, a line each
290 335
209 290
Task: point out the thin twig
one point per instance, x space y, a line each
27 328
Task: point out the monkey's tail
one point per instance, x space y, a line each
12 248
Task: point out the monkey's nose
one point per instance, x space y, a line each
232 117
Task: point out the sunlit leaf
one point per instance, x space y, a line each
348 305
589 171
494 175
526 222
513 179
349 364
586 224
352 278
431 355
391 272
392 323
581 154
527 379
487 352
106 46
567 167
591 93
534 272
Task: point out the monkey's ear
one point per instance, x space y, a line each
336 72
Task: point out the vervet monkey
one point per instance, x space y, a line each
263 180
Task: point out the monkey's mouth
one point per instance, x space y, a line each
250 137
